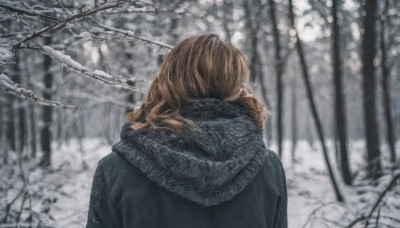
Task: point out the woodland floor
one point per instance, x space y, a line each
61 198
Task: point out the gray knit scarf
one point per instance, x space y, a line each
209 166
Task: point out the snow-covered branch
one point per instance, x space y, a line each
12 87
6 56
132 35
41 20
99 75
13 8
376 204
73 17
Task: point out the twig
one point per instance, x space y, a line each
12 87
336 223
8 205
314 212
390 218
13 35
13 225
359 219
378 216
131 34
381 197
368 217
130 11
96 74
72 17
21 207
23 21
24 11
65 10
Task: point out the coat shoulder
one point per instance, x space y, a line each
112 160
273 160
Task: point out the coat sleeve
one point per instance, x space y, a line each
98 213
281 213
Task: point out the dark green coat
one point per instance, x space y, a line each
157 184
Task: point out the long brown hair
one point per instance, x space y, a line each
197 67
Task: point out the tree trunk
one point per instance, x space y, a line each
310 96
32 137
10 125
279 72
252 30
341 122
10 129
131 97
32 122
386 89
253 43
255 63
368 71
3 120
294 120
20 109
227 19
45 133
268 124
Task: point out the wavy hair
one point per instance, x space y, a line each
197 67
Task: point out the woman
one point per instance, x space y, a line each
193 154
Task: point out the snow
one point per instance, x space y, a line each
311 198
11 86
5 55
70 210
63 58
96 74
102 74
311 202
6 82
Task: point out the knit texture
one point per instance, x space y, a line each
207 166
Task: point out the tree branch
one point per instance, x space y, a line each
5 5
96 74
12 87
72 17
131 34
368 217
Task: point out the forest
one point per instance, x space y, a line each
327 71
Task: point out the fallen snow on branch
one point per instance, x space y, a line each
102 76
13 87
6 56
63 58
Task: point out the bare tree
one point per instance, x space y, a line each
386 86
368 71
21 123
256 71
340 110
45 134
227 11
313 108
279 74
294 119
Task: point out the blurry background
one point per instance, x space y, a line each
327 70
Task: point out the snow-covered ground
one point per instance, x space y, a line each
65 191
312 202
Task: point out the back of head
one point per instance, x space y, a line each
197 67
